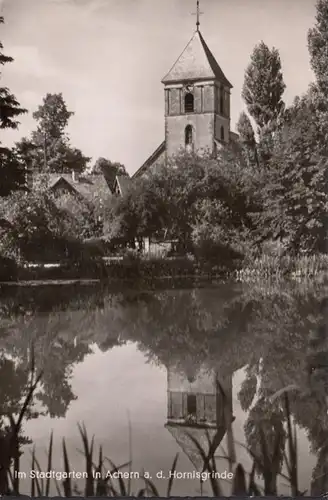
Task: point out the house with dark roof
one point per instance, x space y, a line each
122 184
91 188
197 105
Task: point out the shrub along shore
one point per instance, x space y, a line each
147 270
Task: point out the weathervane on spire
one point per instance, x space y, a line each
198 14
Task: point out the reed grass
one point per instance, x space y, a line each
285 266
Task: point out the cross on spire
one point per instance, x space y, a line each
198 14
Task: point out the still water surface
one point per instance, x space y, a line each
154 359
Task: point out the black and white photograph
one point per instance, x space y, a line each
163 248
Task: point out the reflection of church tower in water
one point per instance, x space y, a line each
196 406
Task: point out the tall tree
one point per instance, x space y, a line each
296 201
12 174
264 86
10 108
52 116
262 92
318 45
55 152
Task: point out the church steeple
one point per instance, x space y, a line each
197 99
197 103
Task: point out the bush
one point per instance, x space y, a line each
8 269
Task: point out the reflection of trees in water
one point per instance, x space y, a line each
278 335
61 324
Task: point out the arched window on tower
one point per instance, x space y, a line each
222 133
188 137
189 103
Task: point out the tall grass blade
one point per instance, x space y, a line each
172 471
239 482
88 454
130 452
150 486
270 484
101 487
123 491
291 463
206 466
253 490
33 468
49 467
67 483
39 484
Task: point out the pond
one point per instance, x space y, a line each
154 373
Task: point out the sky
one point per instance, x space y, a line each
108 58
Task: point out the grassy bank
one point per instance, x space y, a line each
147 269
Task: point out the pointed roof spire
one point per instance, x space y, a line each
196 63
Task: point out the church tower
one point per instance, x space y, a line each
196 406
197 100
197 105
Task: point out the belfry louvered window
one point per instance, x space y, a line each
189 103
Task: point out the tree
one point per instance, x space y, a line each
54 152
137 214
79 217
40 230
262 92
52 116
264 86
12 175
247 139
318 45
10 108
296 199
190 199
12 171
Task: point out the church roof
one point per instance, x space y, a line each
202 434
196 63
149 162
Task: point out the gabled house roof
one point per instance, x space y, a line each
92 187
196 63
122 184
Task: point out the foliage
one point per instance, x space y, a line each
11 172
52 116
80 219
318 44
38 228
180 200
264 86
247 139
262 92
53 150
295 192
10 108
278 332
